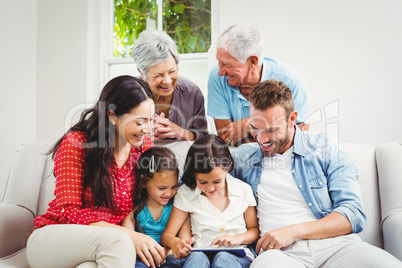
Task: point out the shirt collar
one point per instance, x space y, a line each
258 156
298 147
266 72
233 187
195 193
264 76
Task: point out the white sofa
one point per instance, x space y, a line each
31 184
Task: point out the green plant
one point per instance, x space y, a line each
188 22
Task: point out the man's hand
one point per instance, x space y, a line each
332 225
303 127
233 132
277 238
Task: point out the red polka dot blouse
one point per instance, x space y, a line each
73 204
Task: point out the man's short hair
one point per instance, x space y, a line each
271 93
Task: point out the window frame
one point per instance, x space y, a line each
100 44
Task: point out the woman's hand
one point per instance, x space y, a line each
148 250
227 241
164 128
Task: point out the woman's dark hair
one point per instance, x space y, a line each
155 159
205 154
120 95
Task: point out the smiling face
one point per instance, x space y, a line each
132 127
272 129
162 78
161 187
213 183
238 74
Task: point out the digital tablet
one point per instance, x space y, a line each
236 251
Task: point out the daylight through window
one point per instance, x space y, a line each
188 22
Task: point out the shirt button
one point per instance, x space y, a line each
293 171
309 204
320 183
300 186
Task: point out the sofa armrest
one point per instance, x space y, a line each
389 157
16 224
26 174
392 230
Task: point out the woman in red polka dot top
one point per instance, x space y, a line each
93 166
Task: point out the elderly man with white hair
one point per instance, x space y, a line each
241 67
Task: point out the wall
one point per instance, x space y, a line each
349 53
61 65
43 72
17 80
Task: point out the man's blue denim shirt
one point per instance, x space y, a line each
323 172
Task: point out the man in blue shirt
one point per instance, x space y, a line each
241 67
309 205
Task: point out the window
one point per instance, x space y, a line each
188 22
104 65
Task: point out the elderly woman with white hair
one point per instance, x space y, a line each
179 103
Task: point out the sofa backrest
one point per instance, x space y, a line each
363 156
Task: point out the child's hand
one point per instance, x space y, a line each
181 248
168 251
227 241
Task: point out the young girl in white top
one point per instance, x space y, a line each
221 208
155 185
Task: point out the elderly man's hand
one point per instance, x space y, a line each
236 131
